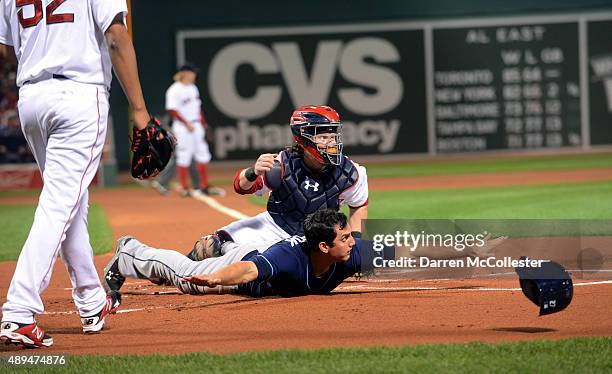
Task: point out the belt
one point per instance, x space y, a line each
54 76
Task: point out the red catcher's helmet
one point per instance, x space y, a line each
318 130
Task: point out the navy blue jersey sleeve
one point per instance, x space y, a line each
276 260
353 265
363 255
265 269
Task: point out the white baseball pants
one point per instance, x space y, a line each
64 123
190 145
259 231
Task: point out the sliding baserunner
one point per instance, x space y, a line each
312 264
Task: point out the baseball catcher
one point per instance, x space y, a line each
152 149
312 174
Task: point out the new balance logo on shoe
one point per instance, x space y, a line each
38 333
95 323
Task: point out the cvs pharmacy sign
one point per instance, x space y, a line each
253 79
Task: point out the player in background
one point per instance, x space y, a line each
189 125
65 53
162 183
313 174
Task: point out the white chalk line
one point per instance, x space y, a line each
216 205
386 272
118 312
593 283
363 287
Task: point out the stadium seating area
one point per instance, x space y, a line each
13 146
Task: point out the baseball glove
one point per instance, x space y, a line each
152 149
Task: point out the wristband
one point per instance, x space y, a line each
250 175
356 234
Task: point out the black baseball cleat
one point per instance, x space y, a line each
94 323
26 335
113 280
207 247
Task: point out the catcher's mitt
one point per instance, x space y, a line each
152 149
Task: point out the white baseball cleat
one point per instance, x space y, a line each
214 191
95 323
27 335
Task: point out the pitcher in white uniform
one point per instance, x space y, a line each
65 51
189 125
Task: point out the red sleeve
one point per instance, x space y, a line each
256 186
177 116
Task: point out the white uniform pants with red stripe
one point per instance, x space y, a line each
64 123
190 145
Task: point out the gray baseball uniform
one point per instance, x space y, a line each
137 260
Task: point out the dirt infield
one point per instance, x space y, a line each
155 319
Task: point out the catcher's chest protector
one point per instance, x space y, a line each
300 194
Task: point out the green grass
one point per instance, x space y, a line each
455 167
590 200
585 208
16 220
560 356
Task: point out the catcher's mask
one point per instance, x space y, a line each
549 286
318 131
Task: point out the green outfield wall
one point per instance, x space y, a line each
407 77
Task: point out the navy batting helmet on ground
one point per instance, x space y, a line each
549 286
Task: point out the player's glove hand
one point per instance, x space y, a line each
152 149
